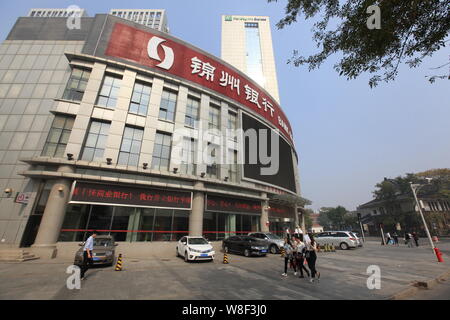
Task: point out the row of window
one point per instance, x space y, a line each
438 205
140 100
130 149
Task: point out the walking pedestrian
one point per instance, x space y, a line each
288 257
408 240
311 258
388 236
300 256
298 232
416 238
395 236
87 254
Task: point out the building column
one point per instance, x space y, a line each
296 219
303 221
264 214
53 217
198 207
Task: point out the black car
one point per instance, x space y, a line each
245 245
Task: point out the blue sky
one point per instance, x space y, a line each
348 136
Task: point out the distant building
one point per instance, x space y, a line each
153 18
55 13
436 211
316 227
247 45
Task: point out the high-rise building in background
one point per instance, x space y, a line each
55 13
247 45
153 18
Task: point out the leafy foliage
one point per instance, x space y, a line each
410 31
337 218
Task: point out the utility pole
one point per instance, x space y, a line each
360 225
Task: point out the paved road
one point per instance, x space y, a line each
344 276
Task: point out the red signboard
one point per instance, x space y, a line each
232 205
168 55
127 196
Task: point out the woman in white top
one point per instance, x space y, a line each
300 256
311 257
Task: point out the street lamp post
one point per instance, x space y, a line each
415 188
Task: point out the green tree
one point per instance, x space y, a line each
410 31
308 219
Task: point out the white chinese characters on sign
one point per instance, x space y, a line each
203 69
268 105
252 95
230 80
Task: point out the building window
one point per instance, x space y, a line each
254 53
131 146
188 163
77 84
214 117
140 99
161 152
232 165
167 108
58 136
212 168
192 108
94 146
232 125
109 92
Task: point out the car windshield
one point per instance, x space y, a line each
272 236
102 242
197 241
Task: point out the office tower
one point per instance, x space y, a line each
247 45
153 18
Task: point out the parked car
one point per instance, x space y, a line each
358 239
195 248
342 239
103 253
274 242
245 245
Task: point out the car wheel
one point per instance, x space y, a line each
344 246
273 249
186 257
226 249
247 253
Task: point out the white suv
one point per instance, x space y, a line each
195 248
342 239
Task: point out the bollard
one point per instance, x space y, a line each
438 254
225 258
333 248
119 263
283 253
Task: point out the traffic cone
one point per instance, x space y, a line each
225 258
119 263
327 249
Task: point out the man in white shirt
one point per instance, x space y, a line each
87 254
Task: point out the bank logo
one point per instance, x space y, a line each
152 50
228 18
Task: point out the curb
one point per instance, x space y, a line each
420 285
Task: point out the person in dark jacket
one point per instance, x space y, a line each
416 238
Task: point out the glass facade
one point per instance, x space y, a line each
188 156
161 151
131 146
149 224
253 52
76 85
192 108
124 223
109 92
58 136
168 104
140 99
94 147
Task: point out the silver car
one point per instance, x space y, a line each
273 241
342 239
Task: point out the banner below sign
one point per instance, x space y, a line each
103 194
232 205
